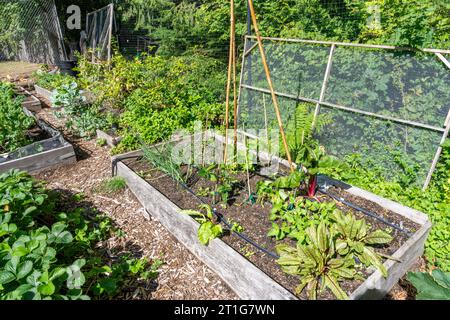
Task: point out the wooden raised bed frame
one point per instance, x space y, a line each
31 103
245 279
44 160
44 93
110 140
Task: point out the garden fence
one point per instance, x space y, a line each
31 32
100 26
388 105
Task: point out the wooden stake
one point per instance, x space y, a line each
269 81
231 60
233 27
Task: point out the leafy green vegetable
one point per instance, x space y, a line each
434 286
14 123
317 263
208 230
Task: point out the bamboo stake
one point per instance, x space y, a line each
230 69
269 81
233 31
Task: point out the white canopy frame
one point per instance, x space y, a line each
445 129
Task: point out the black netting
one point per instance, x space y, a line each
99 29
402 84
387 107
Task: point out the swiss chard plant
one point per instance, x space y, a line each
208 229
317 263
355 240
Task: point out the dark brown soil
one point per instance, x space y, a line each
36 134
254 219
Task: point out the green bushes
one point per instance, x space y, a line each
51 81
13 121
155 96
46 254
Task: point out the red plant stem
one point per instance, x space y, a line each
312 186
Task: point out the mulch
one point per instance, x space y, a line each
182 276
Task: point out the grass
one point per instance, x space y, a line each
112 185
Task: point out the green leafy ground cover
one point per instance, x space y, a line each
14 123
46 253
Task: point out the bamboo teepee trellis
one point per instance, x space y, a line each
232 73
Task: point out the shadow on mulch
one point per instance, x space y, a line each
112 249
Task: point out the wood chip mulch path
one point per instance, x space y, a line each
182 276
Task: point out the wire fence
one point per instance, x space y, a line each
30 31
100 26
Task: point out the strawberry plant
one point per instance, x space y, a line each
14 123
46 254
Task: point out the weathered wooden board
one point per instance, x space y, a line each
41 161
110 140
243 277
31 103
44 93
239 273
62 155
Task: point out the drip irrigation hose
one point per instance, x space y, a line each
219 216
364 211
323 190
116 160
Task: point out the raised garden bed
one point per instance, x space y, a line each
251 273
110 137
44 93
49 149
31 103
47 94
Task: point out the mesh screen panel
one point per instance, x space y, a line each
407 85
382 145
412 88
99 27
31 32
287 64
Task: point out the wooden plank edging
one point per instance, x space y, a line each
374 287
245 279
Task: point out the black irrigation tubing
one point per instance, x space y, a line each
229 226
366 212
219 216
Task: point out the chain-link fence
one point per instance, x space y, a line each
30 31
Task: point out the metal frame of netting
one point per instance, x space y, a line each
99 30
35 32
378 97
